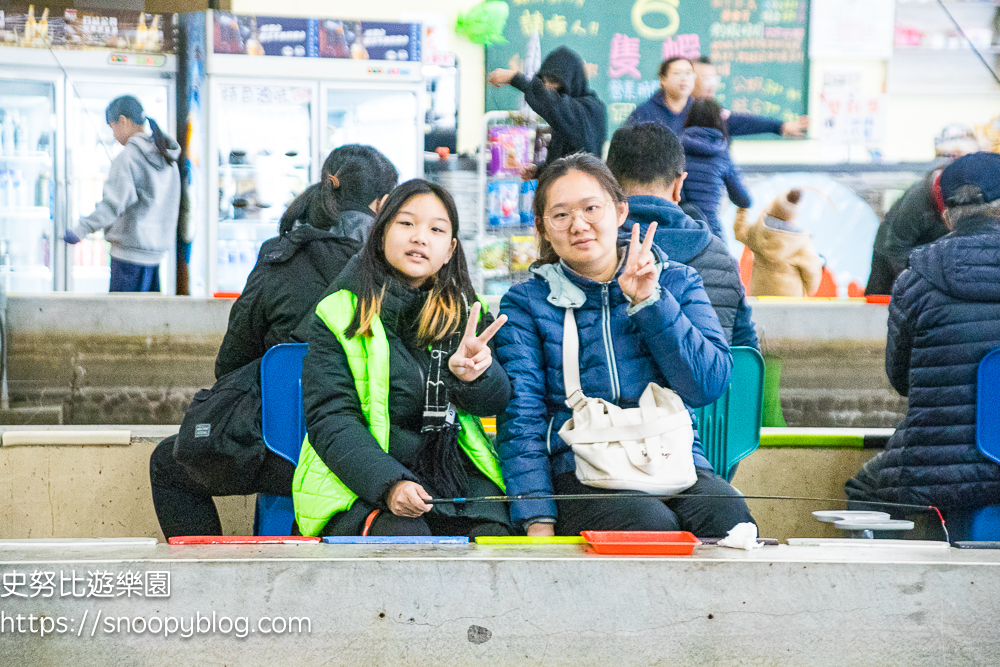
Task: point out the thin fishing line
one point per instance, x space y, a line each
971 45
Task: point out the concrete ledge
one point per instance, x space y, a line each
499 606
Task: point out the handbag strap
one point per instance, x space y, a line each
571 362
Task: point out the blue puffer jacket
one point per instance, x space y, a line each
673 339
944 317
710 171
691 242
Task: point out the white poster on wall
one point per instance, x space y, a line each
847 116
851 28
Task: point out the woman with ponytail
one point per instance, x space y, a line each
398 372
141 202
321 230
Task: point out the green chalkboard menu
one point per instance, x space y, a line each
758 46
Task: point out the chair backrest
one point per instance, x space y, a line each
283 418
988 407
730 427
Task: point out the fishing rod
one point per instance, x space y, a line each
639 494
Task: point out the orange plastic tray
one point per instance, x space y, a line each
242 539
642 542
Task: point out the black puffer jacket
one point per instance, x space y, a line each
577 116
944 317
691 242
914 220
338 430
293 272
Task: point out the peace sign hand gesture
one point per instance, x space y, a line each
638 280
473 355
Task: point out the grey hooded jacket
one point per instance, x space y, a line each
141 203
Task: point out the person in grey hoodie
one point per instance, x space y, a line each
141 203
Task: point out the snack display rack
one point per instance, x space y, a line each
505 245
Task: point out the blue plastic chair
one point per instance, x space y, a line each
730 427
985 522
283 421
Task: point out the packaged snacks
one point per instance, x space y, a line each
502 203
528 189
493 255
510 149
523 252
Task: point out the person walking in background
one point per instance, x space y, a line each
944 317
647 161
706 85
319 233
141 203
710 168
785 262
560 95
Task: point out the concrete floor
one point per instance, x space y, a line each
498 606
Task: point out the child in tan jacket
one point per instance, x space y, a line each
785 262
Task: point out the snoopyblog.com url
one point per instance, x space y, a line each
92 625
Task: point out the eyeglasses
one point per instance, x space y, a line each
561 217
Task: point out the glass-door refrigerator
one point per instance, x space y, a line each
280 97
30 166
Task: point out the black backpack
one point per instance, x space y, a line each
220 442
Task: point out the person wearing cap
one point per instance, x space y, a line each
944 317
785 262
142 199
917 218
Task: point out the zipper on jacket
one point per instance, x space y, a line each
548 436
609 346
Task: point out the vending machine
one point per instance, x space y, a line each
277 95
57 76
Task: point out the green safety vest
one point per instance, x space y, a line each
318 493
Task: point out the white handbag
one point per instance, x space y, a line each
647 448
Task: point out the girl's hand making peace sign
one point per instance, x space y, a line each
638 280
473 355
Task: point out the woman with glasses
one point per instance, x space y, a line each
640 319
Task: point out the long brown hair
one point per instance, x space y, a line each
451 292
582 162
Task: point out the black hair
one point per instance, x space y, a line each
645 153
451 292
703 60
665 65
131 108
353 176
706 112
582 162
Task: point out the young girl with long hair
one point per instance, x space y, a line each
141 202
640 319
710 169
398 372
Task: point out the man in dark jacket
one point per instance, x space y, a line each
560 95
916 219
944 317
648 162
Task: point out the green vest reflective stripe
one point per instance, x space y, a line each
318 493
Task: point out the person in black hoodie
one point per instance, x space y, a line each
319 233
648 162
560 95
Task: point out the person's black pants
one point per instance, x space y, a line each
695 511
185 507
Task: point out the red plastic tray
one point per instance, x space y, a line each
242 539
642 542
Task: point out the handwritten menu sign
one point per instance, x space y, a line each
758 47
